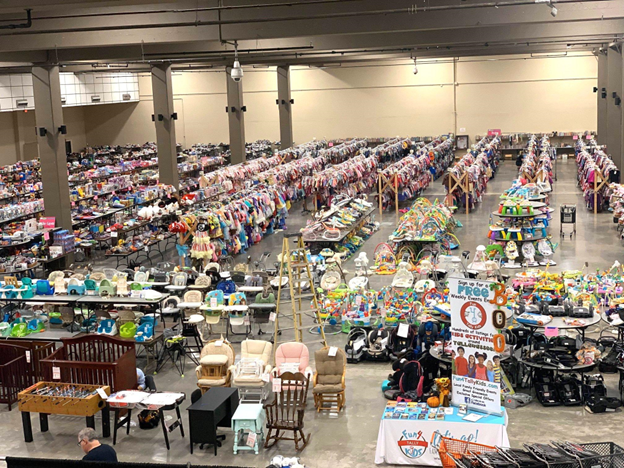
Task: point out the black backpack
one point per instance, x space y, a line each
149 419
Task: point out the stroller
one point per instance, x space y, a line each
355 349
377 349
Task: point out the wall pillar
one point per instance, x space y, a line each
236 118
285 106
164 119
602 98
49 122
614 111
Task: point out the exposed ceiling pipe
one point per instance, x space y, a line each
27 24
386 12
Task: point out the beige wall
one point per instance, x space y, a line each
515 94
18 141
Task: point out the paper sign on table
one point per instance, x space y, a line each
113 233
472 417
251 439
551 331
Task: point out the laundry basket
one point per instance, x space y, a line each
451 450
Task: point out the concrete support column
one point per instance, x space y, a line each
602 98
50 131
236 118
164 119
614 111
285 106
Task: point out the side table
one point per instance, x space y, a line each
248 417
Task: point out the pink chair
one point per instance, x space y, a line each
288 355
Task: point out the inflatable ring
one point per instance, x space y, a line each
499 319
499 342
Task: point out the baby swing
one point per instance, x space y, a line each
403 277
385 260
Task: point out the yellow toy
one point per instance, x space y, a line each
444 388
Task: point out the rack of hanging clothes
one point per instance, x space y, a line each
538 169
289 177
408 177
595 170
352 177
231 226
467 179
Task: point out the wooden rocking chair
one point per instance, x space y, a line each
286 411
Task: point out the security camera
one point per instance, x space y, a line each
237 71
553 11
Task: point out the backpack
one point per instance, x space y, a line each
149 419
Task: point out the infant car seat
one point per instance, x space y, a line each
377 349
355 349
545 389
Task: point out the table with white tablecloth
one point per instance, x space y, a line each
412 441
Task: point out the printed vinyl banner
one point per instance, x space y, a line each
409 442
476 361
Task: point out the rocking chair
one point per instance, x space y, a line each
286 411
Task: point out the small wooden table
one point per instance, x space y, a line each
41 398
248 417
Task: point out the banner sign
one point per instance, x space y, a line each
477 343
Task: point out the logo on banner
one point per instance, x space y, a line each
413 444
473 315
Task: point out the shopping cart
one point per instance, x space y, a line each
454 451
568 216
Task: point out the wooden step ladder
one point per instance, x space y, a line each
294 265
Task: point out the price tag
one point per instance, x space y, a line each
102 393
403 330
251 439
358 300
277 385
266 377
179 212
219 343
27 356
332 351
46 235
114 234
95 198
383 312
56 373
246 320
147 248
272 317
213 302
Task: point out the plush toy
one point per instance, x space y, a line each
444 389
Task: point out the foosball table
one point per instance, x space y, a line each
68 399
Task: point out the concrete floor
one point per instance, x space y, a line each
349 439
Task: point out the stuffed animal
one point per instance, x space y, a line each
444 389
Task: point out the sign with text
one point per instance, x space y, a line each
475 345
495 132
